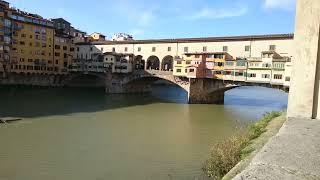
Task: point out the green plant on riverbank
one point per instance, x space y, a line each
226 154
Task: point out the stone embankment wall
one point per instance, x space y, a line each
33 80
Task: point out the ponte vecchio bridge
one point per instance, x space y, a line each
157 58
199 90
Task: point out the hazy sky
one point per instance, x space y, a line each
170 18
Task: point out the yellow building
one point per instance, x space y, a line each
220 59
5 37
180 65
32 44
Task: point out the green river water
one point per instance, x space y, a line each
84 134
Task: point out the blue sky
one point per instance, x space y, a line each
146 19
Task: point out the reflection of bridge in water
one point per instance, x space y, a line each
201 90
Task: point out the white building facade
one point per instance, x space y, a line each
253 56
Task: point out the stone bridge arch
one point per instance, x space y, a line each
167 63
150 76
153 63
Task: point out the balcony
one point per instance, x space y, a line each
254 59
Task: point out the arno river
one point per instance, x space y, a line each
84 134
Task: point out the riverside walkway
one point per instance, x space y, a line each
293 154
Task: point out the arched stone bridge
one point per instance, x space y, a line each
200 91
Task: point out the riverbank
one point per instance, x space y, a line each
292 154
233 155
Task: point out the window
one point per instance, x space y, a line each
30 60
56 54
265 76
125 49
191 70
78 49
241 63
277 76
252 75
113 49
247 48
287 78
239 73
23 35
57 47
139 49
178 70
179 62
188 62
204 48
266 65
225 48
91 49
272 47
169 48
278 65
22 43
228 63
197 56
65 48
220 64
153 49
186 49
218 56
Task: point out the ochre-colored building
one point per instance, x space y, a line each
5 37
32 44
220 59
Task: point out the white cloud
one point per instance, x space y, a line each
280 4
207 13
145 18
136 32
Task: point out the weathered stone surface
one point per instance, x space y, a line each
207 91
304 91
294 153
33 80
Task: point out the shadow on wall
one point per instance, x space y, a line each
28 102
86 80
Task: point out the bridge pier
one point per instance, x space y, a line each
204 98
206 91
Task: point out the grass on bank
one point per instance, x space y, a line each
226 154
